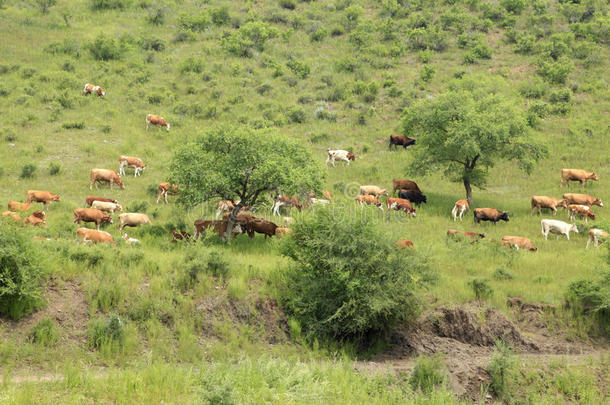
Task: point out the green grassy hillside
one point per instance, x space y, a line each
332 74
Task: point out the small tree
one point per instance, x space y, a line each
465 131
45 5
242 164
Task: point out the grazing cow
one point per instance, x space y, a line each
369 200
400 204
13 215
339 154
94 236
583 210
459 208
44 197
130 240
327 195
91 215
228 206
133 219
489 214
551 203
106 206
165 189
583 199
279 231
261 226
557 227
414 196
90 199
595 235
404 243
285 200
93 89
583 176
180 235
128 161
518 242
454 233
402 140
37 218
105 175
17 206
407 185
219 227
157 121
373 190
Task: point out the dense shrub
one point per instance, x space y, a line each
251 36
318 34
54 168
45 5
104 48
194 22
555 72
45 332
152 44
592 299
109 4
428 38
220 16
481 288
500 370
533 88
560 96
513 6
73 125
191 64
426 73
299 68
155 14
20 275
296 115
110 332
27 171
347 282
427 374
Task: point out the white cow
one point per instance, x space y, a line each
106 206
339 154
557 227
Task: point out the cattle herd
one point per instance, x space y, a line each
101 209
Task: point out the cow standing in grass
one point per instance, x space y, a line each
580 175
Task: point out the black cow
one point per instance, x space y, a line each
413 196
401 140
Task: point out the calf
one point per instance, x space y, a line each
37 218
156 121
583 199
287 201
373 190
13 215
459 208
105 175
339 154
165 189
400 204
595 235
106 206
279 231
583 210
91 215
94 236
414 196
404 243
93 89
454 233
180 235
489 214
90 199
44 197
133 219
404 185
401 140
134 162
370 200
583 176
17 206
518 242
547 202
557 227
129 239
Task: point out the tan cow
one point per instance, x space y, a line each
13 215
134 162
94 236
105 175
93 89
595 235
165 189
583 210
540 202
518 242
373 190
404 243
369 200
157 121
459 208
133 219
91 215
37 218
582 199
44 197
583 176
228 206
106 206
17 206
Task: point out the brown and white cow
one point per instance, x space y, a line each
105 175
489 214
401 140
133 219
583 210
165 189
339 154
156 121
37 218
369 200
93 89
539 201
595 235
94 236
91 215
583 199
89 200
459 208
44 197
400 204
285 201
583 176
129 161
518 242
18 206
404 185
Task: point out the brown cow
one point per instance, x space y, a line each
369 200
219 227
551 203
453 233
44 197
400 204
286 201
489 214
37 218
94 236
582 199
105 175
17 206
180 235
405 185
583 176
404 243
261 226
518 242
91 215
582 210
128 161
89 200
402 140
157 121
165 189
93 89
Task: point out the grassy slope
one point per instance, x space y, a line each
115 126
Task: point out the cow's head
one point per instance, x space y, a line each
120 183
351 156
563 203
102 93
593 176
55 197
107 218
39 214
383 192
574 228
533 249
119 207
503 216
482 235
598 202
590 214
167 126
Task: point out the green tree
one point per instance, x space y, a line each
45 5
466 130
243 164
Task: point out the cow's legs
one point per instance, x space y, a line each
165 197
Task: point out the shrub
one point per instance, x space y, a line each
347 282
533 89
109 4
502 274
555 72
220 16
73 125
137 206
482 51
428 38
45 333
103 48
152 44
500 370
249 37
560 96
54 168
288 4
525 44
318 34
191 64
481 289
20 275
27 171
155 14
513 6
110 332
194 22
45 5
300 69
425 56
296 115
591 299
427 73
427 374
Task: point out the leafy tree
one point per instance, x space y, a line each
466 130
243 164
45 5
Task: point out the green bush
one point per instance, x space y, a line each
318 34
560 96
501 274
591 299
28 171
428 374
299 68
555 72
54 168
45 333
155 14
45 5
110 332
288 4
501 370
250 37
347 282
191 64
152 44
533 89
428 38
513 6
296 115
73 125
194 22
109 4
426 73
220 16
20 275
481 288
103 48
